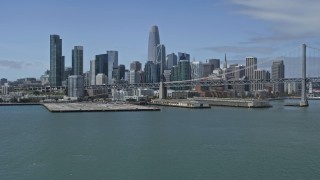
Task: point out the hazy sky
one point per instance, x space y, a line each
203 28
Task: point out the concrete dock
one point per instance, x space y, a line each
184 103
207 102
247 103
20 104
95 107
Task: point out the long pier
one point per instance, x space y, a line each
208 102
247 103
20 104
95 107
184 103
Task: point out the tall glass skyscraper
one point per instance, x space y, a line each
154 40
112 65
56 61
150 72
171 60
184 70
121 71
161 57
277 72
101 64
76 86
77 60
174 73
196 70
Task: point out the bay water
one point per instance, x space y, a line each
175 143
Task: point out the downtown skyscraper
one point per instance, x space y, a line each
156 55
154 40
135 65
277 73
161 57
171 60
56 61
101 64
251 66
106 64
112 66
77 60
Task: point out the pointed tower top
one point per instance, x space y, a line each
225 65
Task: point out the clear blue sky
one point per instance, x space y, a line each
203 28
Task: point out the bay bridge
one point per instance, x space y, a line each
294 58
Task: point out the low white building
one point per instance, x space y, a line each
135 95
291 88
6 89
101 79
118 95
143 92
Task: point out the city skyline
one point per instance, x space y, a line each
211 29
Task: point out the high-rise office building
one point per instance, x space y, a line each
174 73
166 75
278 72
171 60
184 70
251 65
141 77
56 61
196 70
75 86
156 54
63 60
115 76
101 64
261 75
127 75
215 63
86 79
161 57
154 40
237 71
150 70
67 73
77 60
122 71
207 69
135 65
93 72
183 56
112 66
134 77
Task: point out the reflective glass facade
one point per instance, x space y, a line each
56 61
77 60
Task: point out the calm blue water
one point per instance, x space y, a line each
218 143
